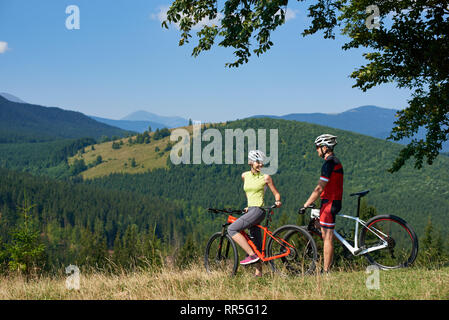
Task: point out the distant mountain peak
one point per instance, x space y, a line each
139 115
170 122
369 108
11 98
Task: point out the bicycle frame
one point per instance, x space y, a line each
266 232
262 254
356 250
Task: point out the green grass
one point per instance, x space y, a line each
194 283
119 160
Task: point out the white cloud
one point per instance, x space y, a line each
3 46
290 14
162 16
208 22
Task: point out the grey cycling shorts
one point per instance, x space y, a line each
254 216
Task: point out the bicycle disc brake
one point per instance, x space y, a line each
391 244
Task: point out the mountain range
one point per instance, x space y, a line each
131 185
139 121
135 126
369 120
11 98
24 122
169 122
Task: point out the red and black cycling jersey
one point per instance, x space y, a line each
332 173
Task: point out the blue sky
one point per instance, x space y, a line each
121 60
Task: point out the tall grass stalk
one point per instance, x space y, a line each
169 283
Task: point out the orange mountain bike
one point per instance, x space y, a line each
289 249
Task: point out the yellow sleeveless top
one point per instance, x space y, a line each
254 187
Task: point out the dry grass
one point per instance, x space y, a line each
114 160
196 284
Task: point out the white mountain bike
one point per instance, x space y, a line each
385 240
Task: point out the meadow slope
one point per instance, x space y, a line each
195 284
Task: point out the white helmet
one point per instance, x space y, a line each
256 155
327 140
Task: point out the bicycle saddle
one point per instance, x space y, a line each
360 194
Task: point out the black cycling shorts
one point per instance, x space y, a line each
253 217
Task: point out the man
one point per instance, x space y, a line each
330 188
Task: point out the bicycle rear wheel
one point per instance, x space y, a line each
402 242
303 256
221 254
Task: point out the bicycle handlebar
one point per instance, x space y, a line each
270 207
230 211
303 210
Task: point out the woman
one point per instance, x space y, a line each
255 184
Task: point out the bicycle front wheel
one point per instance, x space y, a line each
402 242
221 254
303 252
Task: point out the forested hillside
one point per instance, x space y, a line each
413 194
82 224
23 122
123 217
42 158
368 120
39 139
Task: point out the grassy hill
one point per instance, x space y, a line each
147 156
120 160
195 284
